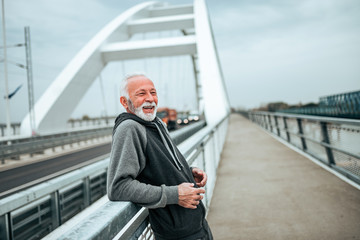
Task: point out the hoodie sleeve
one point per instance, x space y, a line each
127 160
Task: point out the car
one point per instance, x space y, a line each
193 116
182 120
168 116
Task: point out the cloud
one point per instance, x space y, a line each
290 52
269 49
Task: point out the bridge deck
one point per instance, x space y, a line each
265 190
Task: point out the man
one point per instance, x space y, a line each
148 169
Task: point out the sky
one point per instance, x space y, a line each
293 51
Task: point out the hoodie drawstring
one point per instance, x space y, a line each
172 153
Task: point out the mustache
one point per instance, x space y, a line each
147 104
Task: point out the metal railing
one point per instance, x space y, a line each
328 111
94 122
346 105
333 141
15 129
37 211
71 124
125 220
13 148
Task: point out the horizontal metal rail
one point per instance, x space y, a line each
339 105
18 210
184 133
12 149
37 211
333 141
122 220
87 122
16 147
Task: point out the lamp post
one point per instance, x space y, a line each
6 72
30 81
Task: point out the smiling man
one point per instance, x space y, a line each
147 168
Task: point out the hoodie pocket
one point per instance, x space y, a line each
175 222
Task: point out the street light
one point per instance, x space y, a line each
5 72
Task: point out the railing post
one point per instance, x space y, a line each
5 231
55 209
286 129
216 148
326 139
271 127
263 117
87 191
301 132
212 136
202 146
277 126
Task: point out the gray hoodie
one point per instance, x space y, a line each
146 168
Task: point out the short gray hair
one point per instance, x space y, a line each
124 83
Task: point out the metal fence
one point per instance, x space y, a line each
333 141
91 122
13 148
71 125
125 220
329 111
37 211
345 105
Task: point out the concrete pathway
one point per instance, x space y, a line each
265 190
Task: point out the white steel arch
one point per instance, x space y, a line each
56 105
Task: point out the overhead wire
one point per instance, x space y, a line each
145 59
102 94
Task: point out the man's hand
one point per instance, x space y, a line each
189 197
199 176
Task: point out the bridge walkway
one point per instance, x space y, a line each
265 190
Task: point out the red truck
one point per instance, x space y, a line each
168 116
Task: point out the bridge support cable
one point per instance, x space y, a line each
103 96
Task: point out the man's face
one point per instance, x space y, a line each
143 97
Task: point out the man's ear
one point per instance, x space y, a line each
124 102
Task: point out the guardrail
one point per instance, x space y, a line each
333 141
13 148
87 122
71 123
124 220
35 212
14 126
346 105
327 111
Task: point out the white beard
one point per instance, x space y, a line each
139 112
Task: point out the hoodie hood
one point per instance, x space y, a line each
156 124
125 115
